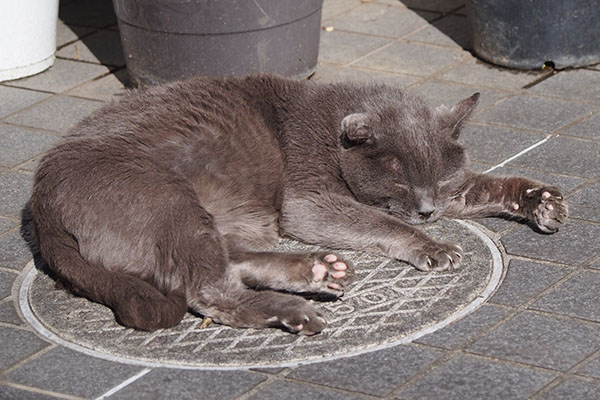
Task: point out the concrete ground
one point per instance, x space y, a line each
537 337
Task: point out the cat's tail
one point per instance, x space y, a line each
135 302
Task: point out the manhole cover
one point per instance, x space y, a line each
389 303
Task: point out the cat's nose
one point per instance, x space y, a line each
426 213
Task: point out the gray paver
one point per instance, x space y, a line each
460 332
563 155
8 313
591 369
298 391
12 393
450 31
66 371
66 34
573 244
343 47
58 113
63 75
443 93
577 297
345 74
495 144
106 88
391 21
21 144
332 8
182 384
584 203
377 373
565 183
6 282
587 128
411 58
6 225
17 344
573 389
14 252
476 72
541 340
14 99
15 189
525 280
532 112
579 84
465 377
102 47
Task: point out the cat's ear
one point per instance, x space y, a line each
452 119
355 130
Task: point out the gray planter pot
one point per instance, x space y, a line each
527 34
166 40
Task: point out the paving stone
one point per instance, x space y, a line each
526 279
343 47
494 144
591 369
298 391
333 8
20 144
476 72
345 74
58 113
536 113
565 156
377 373
496 224
464 330
587 128
17 344
12 393
67 34
584 204
577 297
63 75
6 225
96 13
102 47
442 93
578 84
452 31
64 371
564 182
411 58
106 88
573 389
189 384
391 21
465 377
14 252
573 244
6 281
541 340
434 5
15 189
8 314
14 99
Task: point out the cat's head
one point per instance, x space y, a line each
403 156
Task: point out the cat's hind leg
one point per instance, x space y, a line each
318 272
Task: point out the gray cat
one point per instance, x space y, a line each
170 198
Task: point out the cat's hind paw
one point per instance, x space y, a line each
330 274
303 320
549 210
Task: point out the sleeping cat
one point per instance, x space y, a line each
170 198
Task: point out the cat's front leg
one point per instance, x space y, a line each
487 195
338 221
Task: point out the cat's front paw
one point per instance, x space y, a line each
548 208
437 256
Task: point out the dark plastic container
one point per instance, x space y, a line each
166 40
529 34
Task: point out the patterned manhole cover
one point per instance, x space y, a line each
389 303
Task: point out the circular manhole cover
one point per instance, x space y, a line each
388 303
